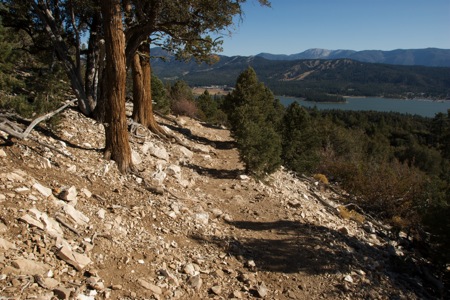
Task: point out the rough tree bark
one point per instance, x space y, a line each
142 94
117 146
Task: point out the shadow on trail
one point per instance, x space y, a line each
293 247
215 173
220 145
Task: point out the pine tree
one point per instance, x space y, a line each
206 106
300 141
159 95
253 120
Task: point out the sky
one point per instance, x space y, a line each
293 26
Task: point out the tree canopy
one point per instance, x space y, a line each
182 27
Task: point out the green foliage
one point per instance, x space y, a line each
301 142
321 77
159 96
181 99
9 81
208 109
27 85
252 113
441 133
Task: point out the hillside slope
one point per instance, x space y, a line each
296 77
188 225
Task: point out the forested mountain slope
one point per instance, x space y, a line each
295 78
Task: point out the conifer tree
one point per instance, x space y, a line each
253 120
299 140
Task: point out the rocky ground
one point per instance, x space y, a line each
187 225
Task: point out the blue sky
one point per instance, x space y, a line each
292 26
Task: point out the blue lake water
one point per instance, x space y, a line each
426 108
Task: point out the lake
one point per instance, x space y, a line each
426 108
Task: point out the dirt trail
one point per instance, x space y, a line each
211 233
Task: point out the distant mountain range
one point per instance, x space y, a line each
320 71
431 57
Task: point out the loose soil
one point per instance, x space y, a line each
189 225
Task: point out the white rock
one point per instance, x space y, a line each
159 175
6 245
72 169
32 221
45 191
17 176
2 153
29 267
22 190
77 260
51 226
185 152
149 286
262 290
86 192
348 278
135 158
173 170
202 218
69 194
217 289
76 215
216 212
195 281
189 269
155 150
101 213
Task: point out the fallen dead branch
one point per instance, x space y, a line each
13 129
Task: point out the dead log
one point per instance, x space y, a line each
13 129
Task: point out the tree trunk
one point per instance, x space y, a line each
142 93
54 30
117 146
92 61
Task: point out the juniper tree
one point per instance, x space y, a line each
184 27
254 120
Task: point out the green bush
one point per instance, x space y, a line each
159 96
301 142
209 111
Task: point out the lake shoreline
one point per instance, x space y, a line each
422 107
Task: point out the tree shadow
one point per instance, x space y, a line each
219 145
215 173
295 247
56 137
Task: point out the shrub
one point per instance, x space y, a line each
159 96
351 215
184 107
321 178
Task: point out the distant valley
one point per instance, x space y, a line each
322 71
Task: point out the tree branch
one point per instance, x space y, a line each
11 128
